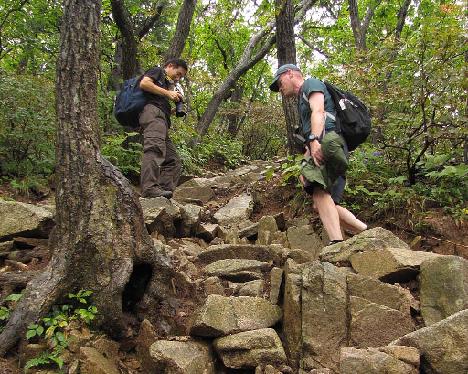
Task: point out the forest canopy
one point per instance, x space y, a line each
405 59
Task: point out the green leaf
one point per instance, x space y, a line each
14 297
30 334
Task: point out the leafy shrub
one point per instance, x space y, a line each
124 151
27 126
54 327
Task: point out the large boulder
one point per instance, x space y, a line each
21 219
377 292
324 315
374 325
181 357
390 264
304 238
443 345
250 349
378 361
369 240
198 195
443 287
221 315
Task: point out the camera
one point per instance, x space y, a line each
181 110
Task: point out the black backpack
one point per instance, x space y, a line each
352 120
129 102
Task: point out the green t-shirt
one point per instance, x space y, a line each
314 85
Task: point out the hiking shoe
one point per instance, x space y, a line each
157 192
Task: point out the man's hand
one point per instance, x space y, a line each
174 96
316 152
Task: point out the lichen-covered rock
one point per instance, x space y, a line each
374 361
390 264
235 211
237 269
324 315
443 345
443 287
181 357
369 240
374 325
250 348
21 219
221 315
265 253
93 362
373 290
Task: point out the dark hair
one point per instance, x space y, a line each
177 62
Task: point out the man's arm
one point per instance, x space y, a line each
317 124
147 84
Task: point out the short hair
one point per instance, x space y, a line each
177 62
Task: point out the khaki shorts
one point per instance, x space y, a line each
332 173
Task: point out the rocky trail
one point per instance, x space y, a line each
263 295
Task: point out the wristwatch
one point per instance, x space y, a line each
313 137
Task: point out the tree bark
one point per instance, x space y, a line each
261 42
360 28
286 54
184 21
99 232
126 53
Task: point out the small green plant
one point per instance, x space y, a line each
5 311
53 328
291 170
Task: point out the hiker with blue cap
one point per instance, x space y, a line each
323 170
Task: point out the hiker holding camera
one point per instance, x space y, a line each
323 171
160 165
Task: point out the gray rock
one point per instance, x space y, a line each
443 345
159 214
266 228
21 219
368 240
193 194
250 349
292 311
276 279
253 288
181 357
227 315
190 215
374 325
93 362
371 289
241 251
443 287
236 269
235 211
324 315
373 361
390 264
306 239
207 231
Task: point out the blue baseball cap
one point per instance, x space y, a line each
282 69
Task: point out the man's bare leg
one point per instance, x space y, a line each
328 213
349 221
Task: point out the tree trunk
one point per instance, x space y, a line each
286 53
99 232
184 21
234 118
